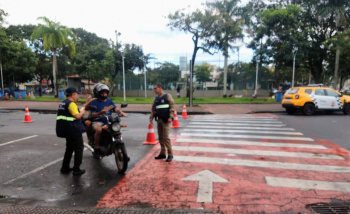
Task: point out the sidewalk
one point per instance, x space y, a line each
145 108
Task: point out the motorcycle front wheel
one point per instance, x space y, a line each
121 158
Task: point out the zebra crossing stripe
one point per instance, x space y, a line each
307 184
250 143
264 164
241 121
237 124
257 152
235 117
245 131
246 136
241 127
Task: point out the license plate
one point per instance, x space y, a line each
287 99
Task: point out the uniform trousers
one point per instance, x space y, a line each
164 140
74 144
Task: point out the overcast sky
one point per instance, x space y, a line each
142 22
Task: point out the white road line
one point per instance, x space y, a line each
264 164
308 184
235 118
35 170
241 127
244 131
249 143
257 152
241 121
245 136
237 124
14 141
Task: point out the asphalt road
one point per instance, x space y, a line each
38 160
334 127
30 167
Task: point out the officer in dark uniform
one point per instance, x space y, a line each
70 126
163 109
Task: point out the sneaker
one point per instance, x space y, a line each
66 170
78 172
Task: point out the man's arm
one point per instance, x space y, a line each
172 105
153 110
73 110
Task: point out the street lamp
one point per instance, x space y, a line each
295 49
123 57
116 38
256 77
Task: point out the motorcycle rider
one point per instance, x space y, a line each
101 91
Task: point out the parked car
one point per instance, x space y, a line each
47 90
309 99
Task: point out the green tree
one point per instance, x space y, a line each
227 29
54 37
202 72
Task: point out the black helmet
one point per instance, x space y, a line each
98 88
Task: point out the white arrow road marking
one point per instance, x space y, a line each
249 143
205 180
237 124
245 136
308 184
264 164
14 141
257 152
245 131
241 127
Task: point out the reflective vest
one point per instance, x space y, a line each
66 124
162 107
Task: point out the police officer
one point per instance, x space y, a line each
70 126
163 109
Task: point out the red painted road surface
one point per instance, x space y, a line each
270 182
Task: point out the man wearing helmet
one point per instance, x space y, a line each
101 92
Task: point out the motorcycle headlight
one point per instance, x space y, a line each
115 127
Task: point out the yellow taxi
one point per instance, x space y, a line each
309 99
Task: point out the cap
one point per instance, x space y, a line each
71 90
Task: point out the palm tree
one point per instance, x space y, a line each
54 37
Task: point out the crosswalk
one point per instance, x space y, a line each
261 142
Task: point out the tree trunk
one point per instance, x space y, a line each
336 69
54 73
225 74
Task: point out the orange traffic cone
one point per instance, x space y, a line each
151 137
20 95
6 96
27 118
29 94
175 121
184 112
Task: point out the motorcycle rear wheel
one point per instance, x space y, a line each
121 158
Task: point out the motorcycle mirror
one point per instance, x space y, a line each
93 107
123 105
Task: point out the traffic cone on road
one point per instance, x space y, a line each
151 137
27 118
184 112
175 121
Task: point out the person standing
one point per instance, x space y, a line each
69 125
163 109
178 91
